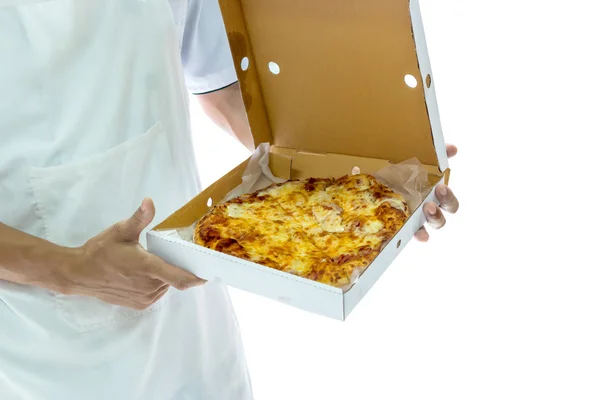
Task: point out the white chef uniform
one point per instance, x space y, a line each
93 118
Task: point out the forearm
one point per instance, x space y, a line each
225 108
29 260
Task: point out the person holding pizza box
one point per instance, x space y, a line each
95 145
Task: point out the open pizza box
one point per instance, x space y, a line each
331 86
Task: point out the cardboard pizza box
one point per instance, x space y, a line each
331 86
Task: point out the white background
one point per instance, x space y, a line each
504 302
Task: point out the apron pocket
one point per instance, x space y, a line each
79 200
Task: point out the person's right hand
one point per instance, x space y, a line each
115 268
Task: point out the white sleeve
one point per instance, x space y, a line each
205 53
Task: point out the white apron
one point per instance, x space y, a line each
93 118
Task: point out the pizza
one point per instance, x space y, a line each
326 230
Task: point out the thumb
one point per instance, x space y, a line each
131 229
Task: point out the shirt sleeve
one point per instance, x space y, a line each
205 53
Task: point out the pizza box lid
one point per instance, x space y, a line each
341 77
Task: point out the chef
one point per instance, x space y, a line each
95 145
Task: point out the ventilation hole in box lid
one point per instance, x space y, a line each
428 81
410 81
355 171
245 63
274 68
399 243
209 202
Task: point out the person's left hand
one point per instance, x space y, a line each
448 202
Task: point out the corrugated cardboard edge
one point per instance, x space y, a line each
430 96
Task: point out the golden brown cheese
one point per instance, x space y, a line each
326 230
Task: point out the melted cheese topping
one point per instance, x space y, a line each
397 202
321 229
372 226
237 210
328 217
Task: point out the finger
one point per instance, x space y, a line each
147 299
434 215
140 285
131 229
121 302
451 150
171 275
134 300
152 286
159 294
151 295
448 201
422 235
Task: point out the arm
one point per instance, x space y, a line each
226 109
210 71
111 266
29 260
